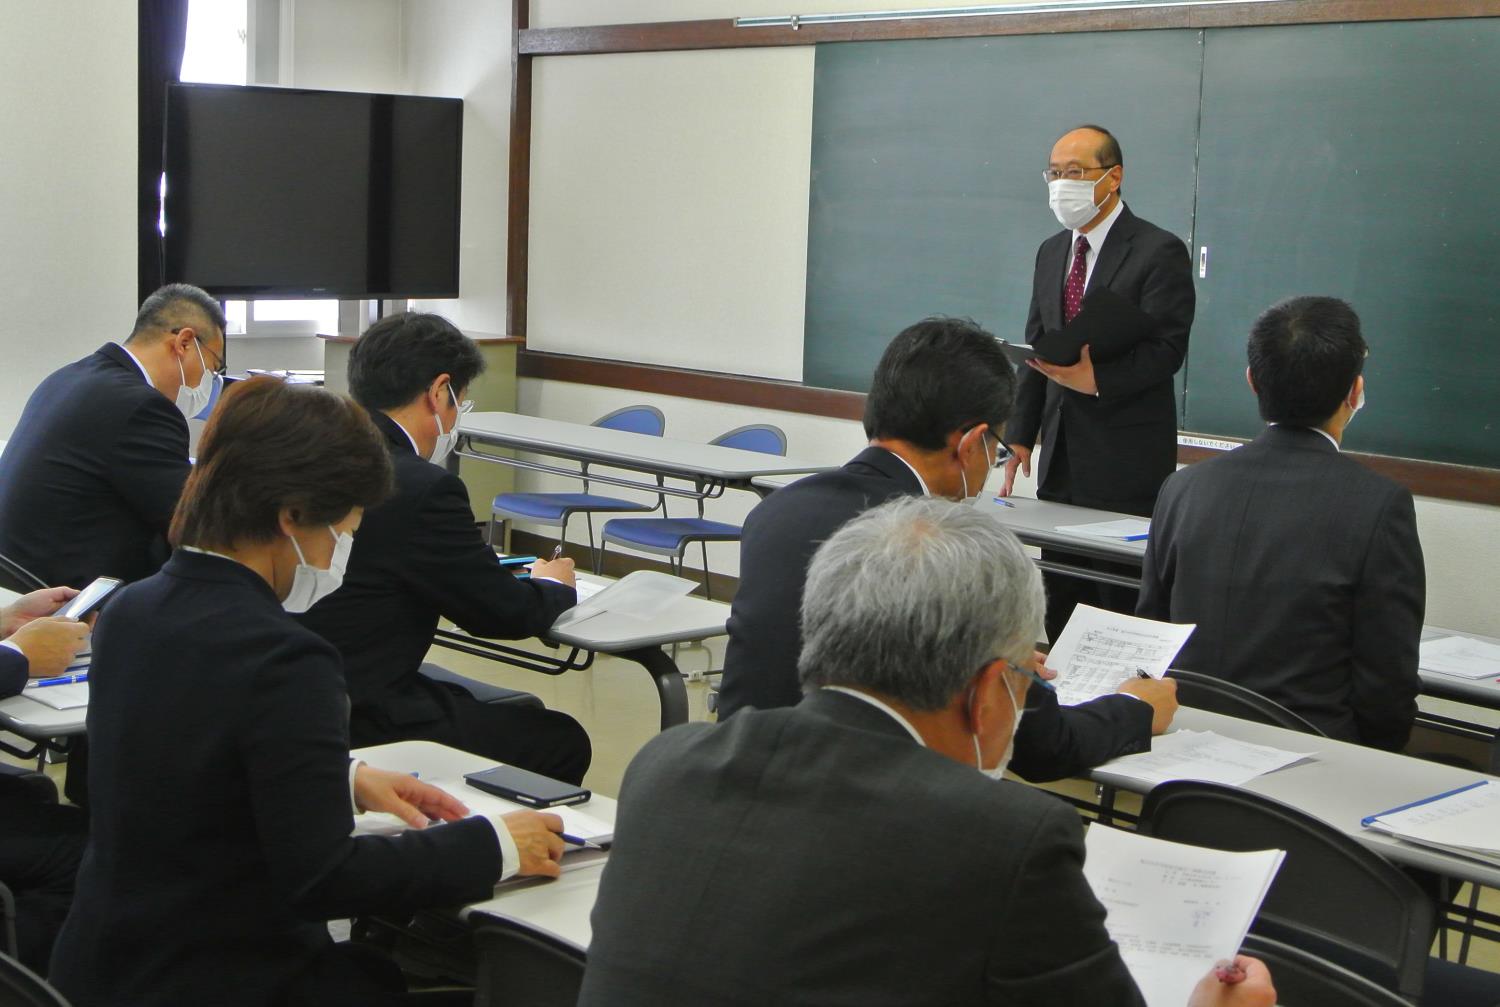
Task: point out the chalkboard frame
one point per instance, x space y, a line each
1434 479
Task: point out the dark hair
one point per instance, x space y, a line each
400 355
1304 356
1109 148
270 445
175 305
938 376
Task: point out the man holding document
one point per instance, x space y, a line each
860 847
1104 410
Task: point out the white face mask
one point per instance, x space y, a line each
311 584
445 442
1359 404
192 401
998 772
1072 201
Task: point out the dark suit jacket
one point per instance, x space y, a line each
1122 444
14 670
1303 571
419 557
760 664
818 855
92 474
220 813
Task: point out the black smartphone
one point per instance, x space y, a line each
531 789
86 602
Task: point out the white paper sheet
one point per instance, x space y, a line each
1174 910
1467 820
576 819
60 697
1460 656
1098 650
587 589
1130 529
641 595
1202 755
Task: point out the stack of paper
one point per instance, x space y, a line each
1464 821
1174 910
1098 650
640 595
1201 755
1130 529
1460 656
60 697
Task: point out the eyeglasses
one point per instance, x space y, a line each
1002 453
465 407
1073 172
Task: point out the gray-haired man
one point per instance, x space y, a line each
853 849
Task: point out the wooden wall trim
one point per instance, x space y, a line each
667 36
518 227
1463 483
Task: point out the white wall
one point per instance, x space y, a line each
344 45
67 188
454 47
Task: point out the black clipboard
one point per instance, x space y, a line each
1017 353
1107 323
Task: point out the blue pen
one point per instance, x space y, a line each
578 841
1031 674
1004 502
82 676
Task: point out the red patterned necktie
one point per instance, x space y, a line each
1073 289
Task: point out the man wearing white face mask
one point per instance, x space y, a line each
1301 567
98 458
1107 428
851 849
420 557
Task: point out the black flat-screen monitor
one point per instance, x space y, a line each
277 192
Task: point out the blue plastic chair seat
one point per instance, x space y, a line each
668 534
555 506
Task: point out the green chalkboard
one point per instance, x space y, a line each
1361 161
927 194
1358 160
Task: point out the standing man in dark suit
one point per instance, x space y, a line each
940 395
857 848
1108 428
1301 567
41 842
420 558
98 458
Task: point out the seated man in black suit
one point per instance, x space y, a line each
1301 567
40 842
939 398
420 557
856 849
98 458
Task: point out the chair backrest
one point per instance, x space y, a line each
522 966
1303 978
762 437
21 987
1331 897
1205 692
636 420
15 577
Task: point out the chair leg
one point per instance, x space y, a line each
708 591
593 554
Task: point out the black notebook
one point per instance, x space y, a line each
1107 323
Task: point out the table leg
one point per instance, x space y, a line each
664 671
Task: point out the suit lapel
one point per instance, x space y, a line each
1116 250
1053 265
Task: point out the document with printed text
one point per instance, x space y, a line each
1098 650
1466 821
72 696
1130 529
1174 910
1201 755
1460 656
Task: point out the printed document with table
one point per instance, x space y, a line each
1098 650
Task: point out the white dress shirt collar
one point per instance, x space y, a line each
920 481
1096 238
880 705
138 363
415 450
1318 430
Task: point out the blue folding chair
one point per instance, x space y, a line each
671 536
558 508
